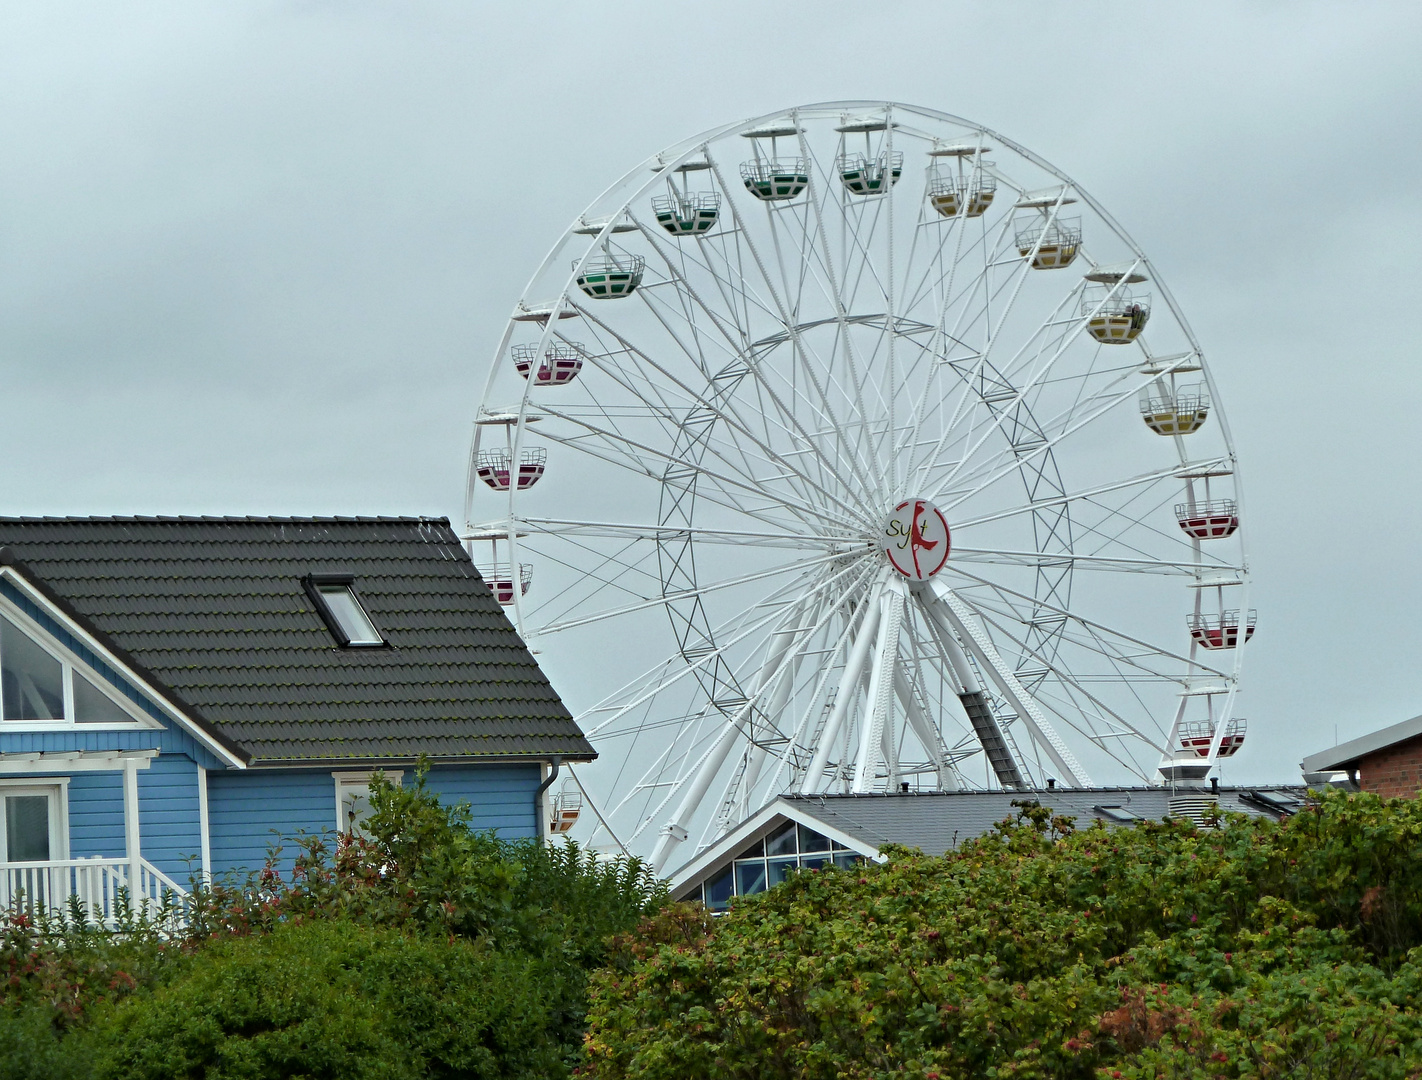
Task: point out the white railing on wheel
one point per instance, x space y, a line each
102 886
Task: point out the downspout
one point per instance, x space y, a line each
538 796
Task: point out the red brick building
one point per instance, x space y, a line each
1388 762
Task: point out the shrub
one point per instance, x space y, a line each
331 999
1257 949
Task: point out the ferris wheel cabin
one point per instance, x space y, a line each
495 468
775 180
687 215
1178 413
561 363
500 579
611 277
968 191
1222 631
770 177
1050 245
1211 520
863 175
1198 736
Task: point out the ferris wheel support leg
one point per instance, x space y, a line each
925 733
959 618
674 831
975 705
844 696
881 694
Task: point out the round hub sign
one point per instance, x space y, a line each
916 539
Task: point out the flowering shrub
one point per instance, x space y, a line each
1258 949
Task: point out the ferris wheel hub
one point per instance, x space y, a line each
916 539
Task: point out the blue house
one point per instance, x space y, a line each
175 692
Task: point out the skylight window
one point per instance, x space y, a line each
1117 813
339 605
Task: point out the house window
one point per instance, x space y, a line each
30 823
340 608
770 860
353 799
41 683
31 680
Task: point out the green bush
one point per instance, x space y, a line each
331 999
1258 949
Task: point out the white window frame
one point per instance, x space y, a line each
57 788
359 780
70 664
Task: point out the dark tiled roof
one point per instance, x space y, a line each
214 609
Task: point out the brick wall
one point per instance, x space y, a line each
1395 771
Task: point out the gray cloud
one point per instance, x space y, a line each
253 258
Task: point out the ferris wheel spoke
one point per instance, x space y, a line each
1155 476
734 537
1080 704
634 694
836 297
1000 557
789 322
688 594
786 417
1101 631
991 472
726 484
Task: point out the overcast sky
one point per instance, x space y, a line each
254 257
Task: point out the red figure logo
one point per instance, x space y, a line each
916 539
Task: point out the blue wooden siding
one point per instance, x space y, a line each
246 809
500 797
96 815
169 826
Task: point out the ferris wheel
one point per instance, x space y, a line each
855 448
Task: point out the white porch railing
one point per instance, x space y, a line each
95 882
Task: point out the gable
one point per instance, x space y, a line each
217 611
96 704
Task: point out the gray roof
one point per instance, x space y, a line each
1345 754
936 822
213 611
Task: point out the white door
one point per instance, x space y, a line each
29 828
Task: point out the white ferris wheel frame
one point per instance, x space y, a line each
869 681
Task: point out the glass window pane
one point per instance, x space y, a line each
782 840
93 706
32 681
718 891
813 862
847 859
348 613
812 841
755 851
750 877
26 828
780 869
355 806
